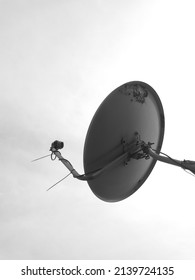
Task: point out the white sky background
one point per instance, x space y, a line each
59 60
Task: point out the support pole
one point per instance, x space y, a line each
163 158
185 164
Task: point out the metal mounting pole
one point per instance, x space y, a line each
185 164
163 158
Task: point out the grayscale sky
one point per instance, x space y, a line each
59 60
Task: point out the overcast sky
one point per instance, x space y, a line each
59 60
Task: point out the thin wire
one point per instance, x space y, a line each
53 156
40 158
59 181
189 172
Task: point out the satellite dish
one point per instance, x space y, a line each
123 143
131 111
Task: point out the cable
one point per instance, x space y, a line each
53 156
59 181
40 158
189 172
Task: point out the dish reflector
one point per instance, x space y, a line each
131 109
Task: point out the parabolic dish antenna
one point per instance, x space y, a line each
123 143
131 111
